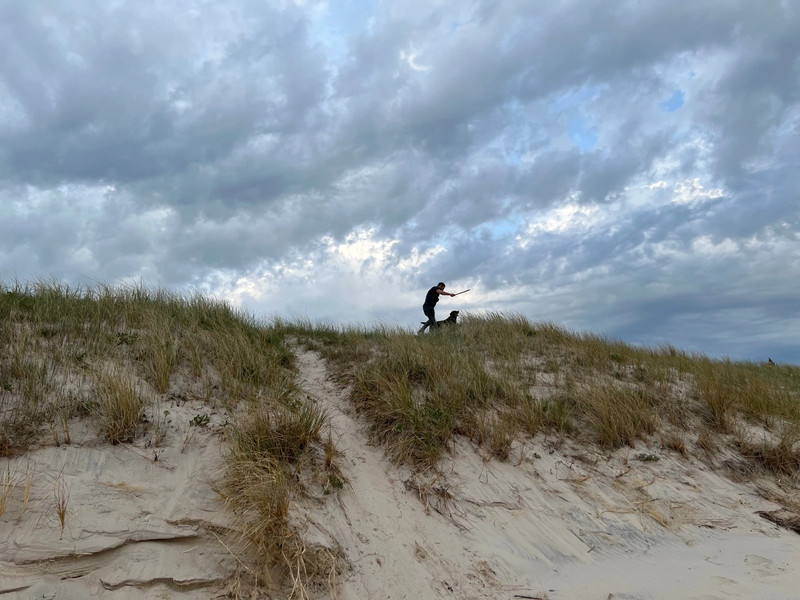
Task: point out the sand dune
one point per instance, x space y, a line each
558 520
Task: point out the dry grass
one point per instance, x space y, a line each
160 352
268 449
281 433
119 407
707 441
618 415
6 488
54 336
478 380
781 456
557 412
675 441
719 400
420 391
61 497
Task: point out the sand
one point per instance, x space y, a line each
555 521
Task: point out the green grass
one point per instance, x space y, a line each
484 379
498 378
53 335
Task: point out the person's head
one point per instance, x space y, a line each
440 285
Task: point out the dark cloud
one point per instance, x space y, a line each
274 150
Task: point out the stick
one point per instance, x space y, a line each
457 293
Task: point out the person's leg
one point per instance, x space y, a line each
431 314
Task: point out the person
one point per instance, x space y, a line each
431 298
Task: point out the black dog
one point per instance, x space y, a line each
449 321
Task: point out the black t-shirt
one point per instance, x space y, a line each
432 297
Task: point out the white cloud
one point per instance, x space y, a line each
692 192
570 219
410 59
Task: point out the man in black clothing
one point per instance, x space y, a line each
431 298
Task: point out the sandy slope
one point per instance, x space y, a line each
557 521
135 527
564 523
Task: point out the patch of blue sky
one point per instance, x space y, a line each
512 36
674 102
513 158
341 21
501 226
522 135
581 135
575 98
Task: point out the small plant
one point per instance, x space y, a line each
706 441
334 481
63 411
36 379
187 437
330 450
61 495
160 424
498 433
161 355
6 487
200 420
30 474
782 456
648 457
559 413
125 338
619 415
674 441
65 426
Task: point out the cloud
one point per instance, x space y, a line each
604 165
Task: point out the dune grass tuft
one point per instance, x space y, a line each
780 456
268 449
618 415
282 433
118 408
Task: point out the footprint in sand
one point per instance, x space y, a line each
761 566
723 587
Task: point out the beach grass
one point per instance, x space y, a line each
499 377
114 355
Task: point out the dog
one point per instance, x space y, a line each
448 322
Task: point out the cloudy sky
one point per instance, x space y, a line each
620 167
